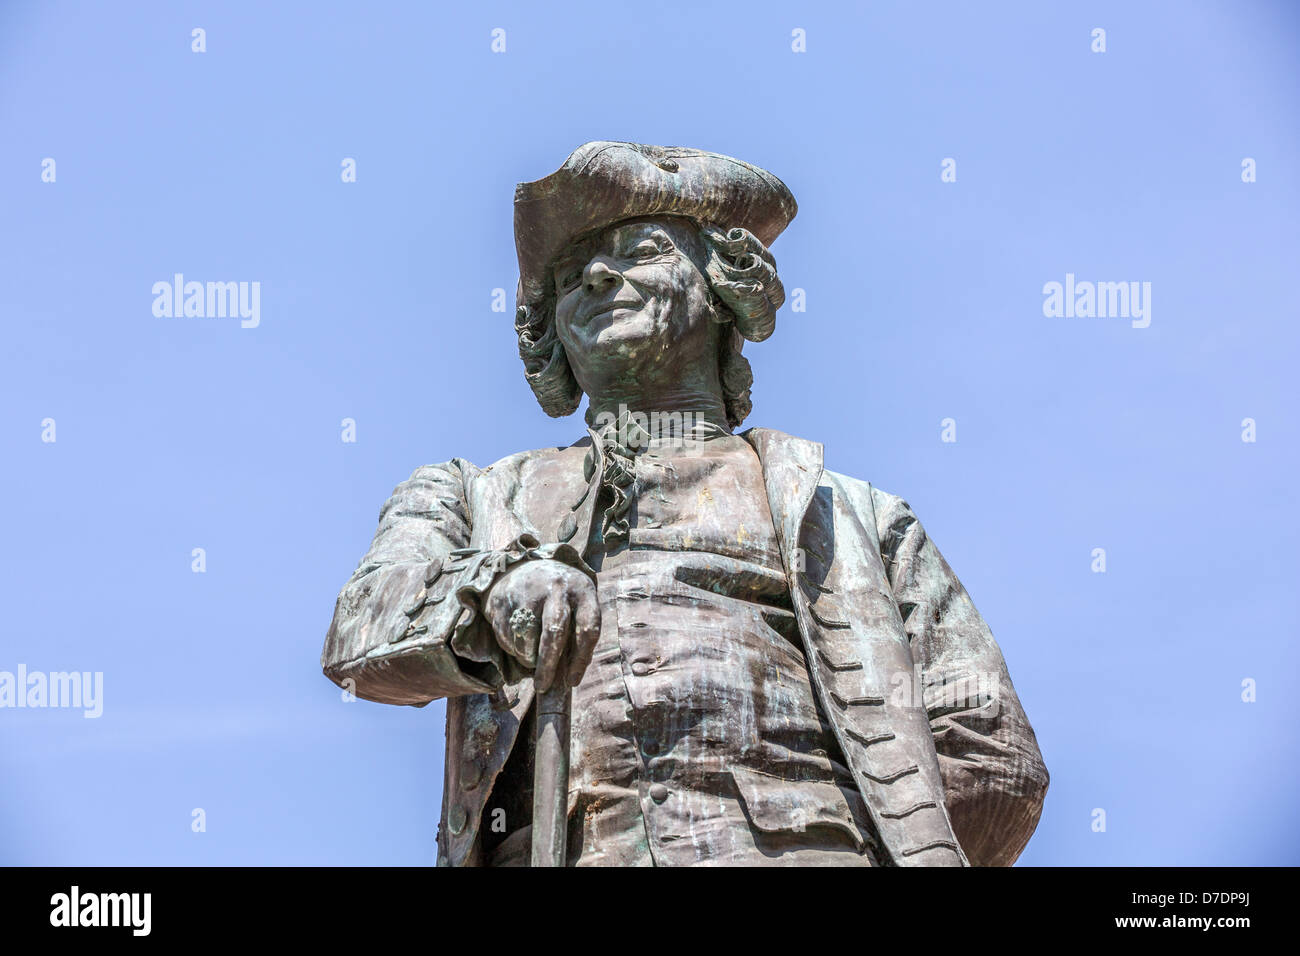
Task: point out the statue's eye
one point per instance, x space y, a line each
645 249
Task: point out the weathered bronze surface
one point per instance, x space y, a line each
771 663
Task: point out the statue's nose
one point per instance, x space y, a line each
599 277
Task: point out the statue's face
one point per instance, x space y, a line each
633 300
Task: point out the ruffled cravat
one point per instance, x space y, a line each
619 444
620 441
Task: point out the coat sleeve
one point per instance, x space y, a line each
408 626
994 776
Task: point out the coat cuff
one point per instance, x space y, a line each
472 573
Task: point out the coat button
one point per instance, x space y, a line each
641 668
471 774
658 793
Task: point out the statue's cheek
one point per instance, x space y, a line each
564 328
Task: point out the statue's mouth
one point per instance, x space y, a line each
612 306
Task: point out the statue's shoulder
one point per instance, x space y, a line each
777 450
867 497
464 471
524 463
775 447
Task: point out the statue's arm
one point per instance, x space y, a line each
994 776
408 627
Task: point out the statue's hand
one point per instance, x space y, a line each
546 615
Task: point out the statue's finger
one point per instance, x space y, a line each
555 631
586 632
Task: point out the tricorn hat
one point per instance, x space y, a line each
603 183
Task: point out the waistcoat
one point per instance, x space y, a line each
696 734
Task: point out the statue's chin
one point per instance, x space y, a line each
638 345
625 333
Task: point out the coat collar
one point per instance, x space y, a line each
792 469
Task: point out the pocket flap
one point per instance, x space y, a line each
776 805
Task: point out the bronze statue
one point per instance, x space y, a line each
770 663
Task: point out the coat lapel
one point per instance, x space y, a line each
858 654
792 469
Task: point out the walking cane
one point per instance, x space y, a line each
554 708
551 775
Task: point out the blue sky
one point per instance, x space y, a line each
924 302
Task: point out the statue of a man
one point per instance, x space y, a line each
770 662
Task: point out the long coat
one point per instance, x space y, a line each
906 671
